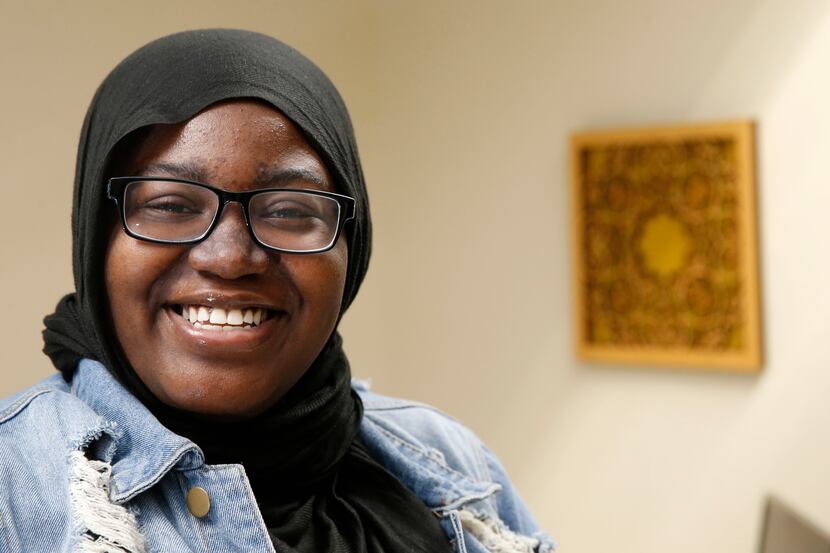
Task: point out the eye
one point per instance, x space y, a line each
288 212
171 205
295 212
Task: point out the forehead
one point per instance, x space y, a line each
233 144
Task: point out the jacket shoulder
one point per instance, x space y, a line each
426 430
39 426
421 425
13 404
39 419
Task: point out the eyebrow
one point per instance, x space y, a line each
266 176
275 175
185 170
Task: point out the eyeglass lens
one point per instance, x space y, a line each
181 212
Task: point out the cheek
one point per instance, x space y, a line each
321 279
132 270
337 265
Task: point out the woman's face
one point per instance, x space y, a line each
237 146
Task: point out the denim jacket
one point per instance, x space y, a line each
86 467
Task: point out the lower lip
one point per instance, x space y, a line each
242 339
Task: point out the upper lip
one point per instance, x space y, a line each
227 300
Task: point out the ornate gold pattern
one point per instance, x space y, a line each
665 255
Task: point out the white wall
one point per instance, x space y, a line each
462 111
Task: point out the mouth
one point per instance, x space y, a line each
206 317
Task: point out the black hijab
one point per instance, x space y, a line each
317 487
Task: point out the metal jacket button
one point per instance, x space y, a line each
198 502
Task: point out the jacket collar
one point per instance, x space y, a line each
143 450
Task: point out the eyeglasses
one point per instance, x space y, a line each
176 211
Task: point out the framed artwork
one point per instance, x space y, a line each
665 246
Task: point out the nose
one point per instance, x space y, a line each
229 252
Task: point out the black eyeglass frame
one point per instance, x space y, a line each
117 186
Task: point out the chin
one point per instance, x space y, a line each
223 398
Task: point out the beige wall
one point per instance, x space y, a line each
462 111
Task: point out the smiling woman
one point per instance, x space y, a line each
220 230
189 365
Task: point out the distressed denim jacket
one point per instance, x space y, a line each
86 467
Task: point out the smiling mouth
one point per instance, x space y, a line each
217 318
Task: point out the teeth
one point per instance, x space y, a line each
235 317
208 326
217 318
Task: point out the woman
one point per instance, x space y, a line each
220 230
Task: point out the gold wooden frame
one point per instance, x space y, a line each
742 350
